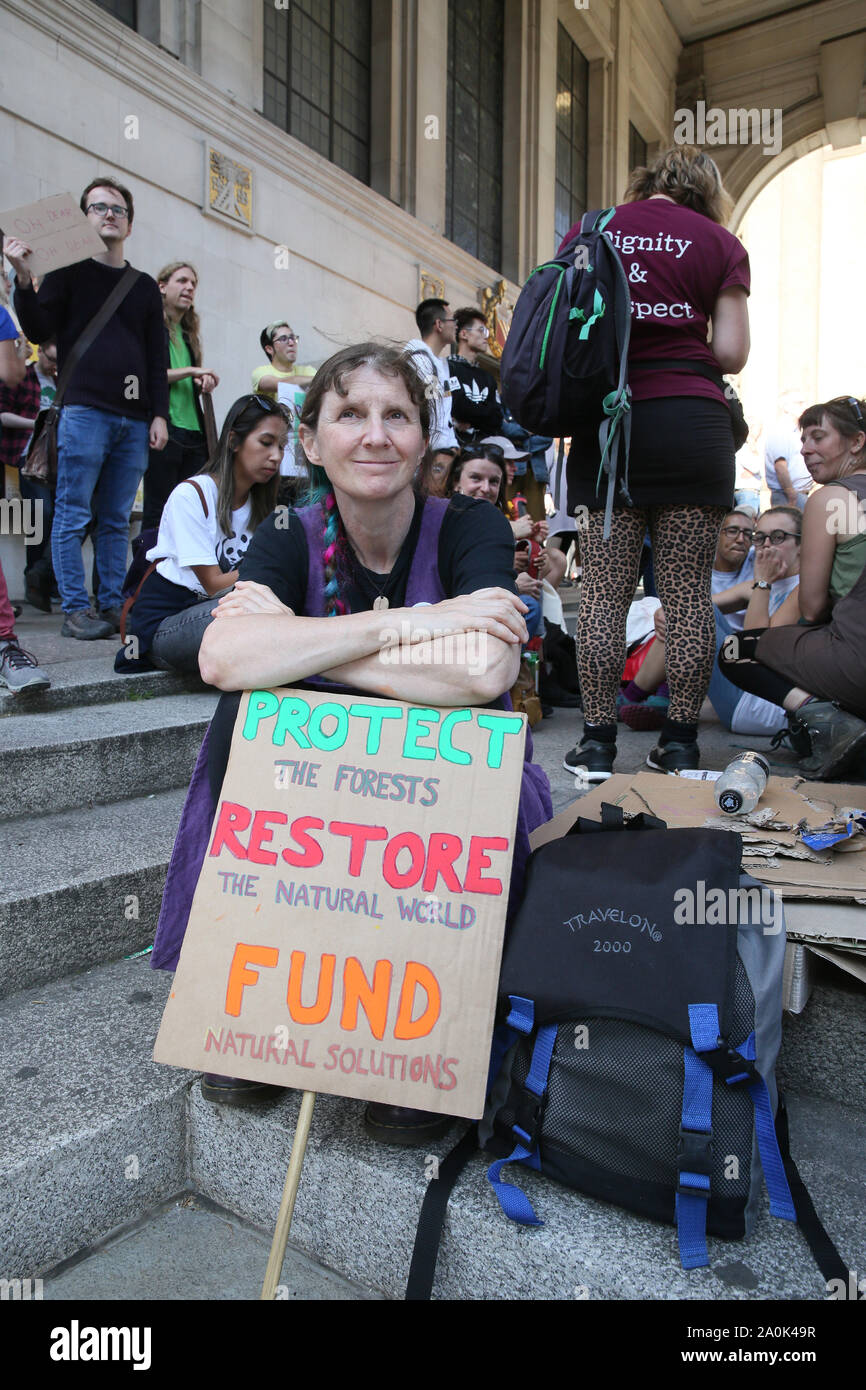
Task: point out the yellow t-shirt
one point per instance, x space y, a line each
268 369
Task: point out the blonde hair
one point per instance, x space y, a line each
688 176
189 321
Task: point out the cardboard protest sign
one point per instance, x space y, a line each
55 229
346 930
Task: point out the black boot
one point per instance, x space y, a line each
231 1090
396 1124
835 736
795 737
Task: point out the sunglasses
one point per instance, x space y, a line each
760 538
269 407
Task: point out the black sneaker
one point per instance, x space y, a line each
111 615
836 738
85 627
232 1090
795 737
591 761
396 1124
674 757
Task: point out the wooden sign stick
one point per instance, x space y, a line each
290 1192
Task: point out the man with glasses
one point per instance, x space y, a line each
734 560
280 345
438 330
284 380
476 410
114 407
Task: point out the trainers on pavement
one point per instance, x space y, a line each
85 627
674 757
592 761
111 615
19 670
836 737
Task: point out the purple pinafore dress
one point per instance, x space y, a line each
422 586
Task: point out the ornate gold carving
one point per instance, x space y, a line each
230 188
430 286
497 309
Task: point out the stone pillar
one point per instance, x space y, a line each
528 136
599 183
390 22
842 64
426 95
621 101
231 49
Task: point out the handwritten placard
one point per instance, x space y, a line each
346 930
55 229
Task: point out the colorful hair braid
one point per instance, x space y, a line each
333 546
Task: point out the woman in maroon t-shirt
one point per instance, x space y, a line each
685 273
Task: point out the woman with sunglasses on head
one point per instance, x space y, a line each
479 472
206 526
311 610
816 669
482 472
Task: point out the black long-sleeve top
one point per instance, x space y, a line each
125 370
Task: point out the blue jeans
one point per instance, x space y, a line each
748 497
100 456
779 499
176 642
534 619
38 553
723 695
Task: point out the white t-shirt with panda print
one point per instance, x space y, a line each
187 537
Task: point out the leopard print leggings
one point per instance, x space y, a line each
684 544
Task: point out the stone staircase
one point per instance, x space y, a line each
95 1135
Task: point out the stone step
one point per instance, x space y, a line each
93 1131
823 1050
98 877
358 1205
87 682
95 755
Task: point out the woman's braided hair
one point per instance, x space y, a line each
331 376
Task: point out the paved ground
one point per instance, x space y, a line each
192 1249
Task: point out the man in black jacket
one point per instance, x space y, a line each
475 406
114 406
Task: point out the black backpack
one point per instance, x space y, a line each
635 1056
566 356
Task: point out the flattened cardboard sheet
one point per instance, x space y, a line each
347 926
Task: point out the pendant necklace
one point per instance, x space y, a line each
380 602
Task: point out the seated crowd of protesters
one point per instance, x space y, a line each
787 594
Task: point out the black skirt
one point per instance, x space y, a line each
682 454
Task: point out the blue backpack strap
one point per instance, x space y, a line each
694 1154
515 1204
735 1066
781 1201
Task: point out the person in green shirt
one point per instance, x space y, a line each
186 450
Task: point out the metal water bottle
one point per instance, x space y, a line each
742 784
